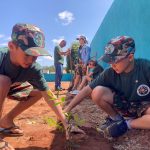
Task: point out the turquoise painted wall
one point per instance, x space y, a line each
125 17
51 77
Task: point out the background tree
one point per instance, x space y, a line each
50 68
73 57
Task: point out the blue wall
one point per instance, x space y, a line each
125 17
51 77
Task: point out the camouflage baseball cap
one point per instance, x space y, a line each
118 48
30 39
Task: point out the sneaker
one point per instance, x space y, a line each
116 129
59 89
108 122
56 89
75 92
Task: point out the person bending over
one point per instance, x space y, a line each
21 78
123 90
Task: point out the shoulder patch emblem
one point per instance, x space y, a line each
143 90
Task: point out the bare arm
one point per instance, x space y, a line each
90 74
64 53
50 98
86 91
87 70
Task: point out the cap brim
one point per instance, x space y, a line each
111 59
106 58
37 51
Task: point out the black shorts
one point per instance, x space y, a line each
130 109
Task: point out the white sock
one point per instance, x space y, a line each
117 117
128 123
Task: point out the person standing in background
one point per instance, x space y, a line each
84 50
83 57
58 62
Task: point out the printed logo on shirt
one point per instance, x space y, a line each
143 90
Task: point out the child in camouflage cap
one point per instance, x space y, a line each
21 78
123 90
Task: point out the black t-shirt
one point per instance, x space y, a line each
33 74
97 70
134 86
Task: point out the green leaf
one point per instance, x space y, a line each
63 99
58 103
52 99
51 122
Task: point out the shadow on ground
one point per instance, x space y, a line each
93 141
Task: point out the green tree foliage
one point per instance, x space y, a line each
3 48
50 68
72 59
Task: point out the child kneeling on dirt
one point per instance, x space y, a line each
123 90
92 71
18 65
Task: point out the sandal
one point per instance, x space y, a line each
5 145
11 131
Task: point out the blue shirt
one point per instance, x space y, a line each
84 53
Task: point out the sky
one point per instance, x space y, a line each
57 18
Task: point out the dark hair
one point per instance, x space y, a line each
93 61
